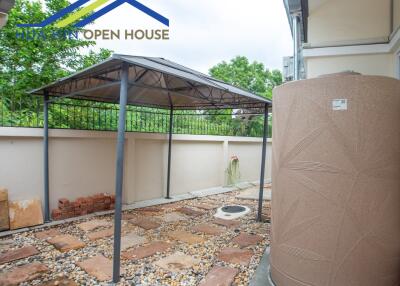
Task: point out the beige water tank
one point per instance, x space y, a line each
336 182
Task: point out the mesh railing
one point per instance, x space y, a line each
87 115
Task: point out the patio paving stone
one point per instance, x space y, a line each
59 282
205 206
208 229
189 211
132 239
156 209
227 223
173 217
190 235
46 234
19 253
177 262
66 242
219 276
22 274
245 239
146 251
99 267
236 255
101 234
186 237
145 223
93 224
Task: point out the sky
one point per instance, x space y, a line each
205 32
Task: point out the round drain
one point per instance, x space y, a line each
232 212
233 209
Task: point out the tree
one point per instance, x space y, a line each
250 76
27 64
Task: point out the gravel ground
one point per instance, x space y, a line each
144 271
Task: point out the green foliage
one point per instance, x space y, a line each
251 76
27 64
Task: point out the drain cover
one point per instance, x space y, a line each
233 209
231 212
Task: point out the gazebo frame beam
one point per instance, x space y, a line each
263 154
119 178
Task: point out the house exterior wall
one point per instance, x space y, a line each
396 14
353 35
82 163
341 21
372 64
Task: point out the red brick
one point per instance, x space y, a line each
56 214
63 203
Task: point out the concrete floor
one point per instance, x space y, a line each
261 277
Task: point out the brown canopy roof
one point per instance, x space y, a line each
153 82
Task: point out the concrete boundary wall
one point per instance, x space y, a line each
82 163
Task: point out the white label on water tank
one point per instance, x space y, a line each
339 104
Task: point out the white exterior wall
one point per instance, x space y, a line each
342 21
374 64
82 163
352 35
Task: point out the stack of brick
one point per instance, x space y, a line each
83 206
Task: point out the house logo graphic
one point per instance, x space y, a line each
74 18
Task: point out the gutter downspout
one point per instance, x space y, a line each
295 26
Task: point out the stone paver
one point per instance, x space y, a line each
46 234
151 210
189 211
131 240
19 253
172 217
208 229
25 213
99 267
93 224
22 274
128 216
236 255
177 262
145 223
186 237
253 194
101 234
146 251
245 239
227 223
205 206
170 206
60 282
219 276
66 242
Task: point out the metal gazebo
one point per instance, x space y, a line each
148 82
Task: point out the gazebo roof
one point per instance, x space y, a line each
153 82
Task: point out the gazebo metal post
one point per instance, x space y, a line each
123 97
264 151
46 156
171 117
